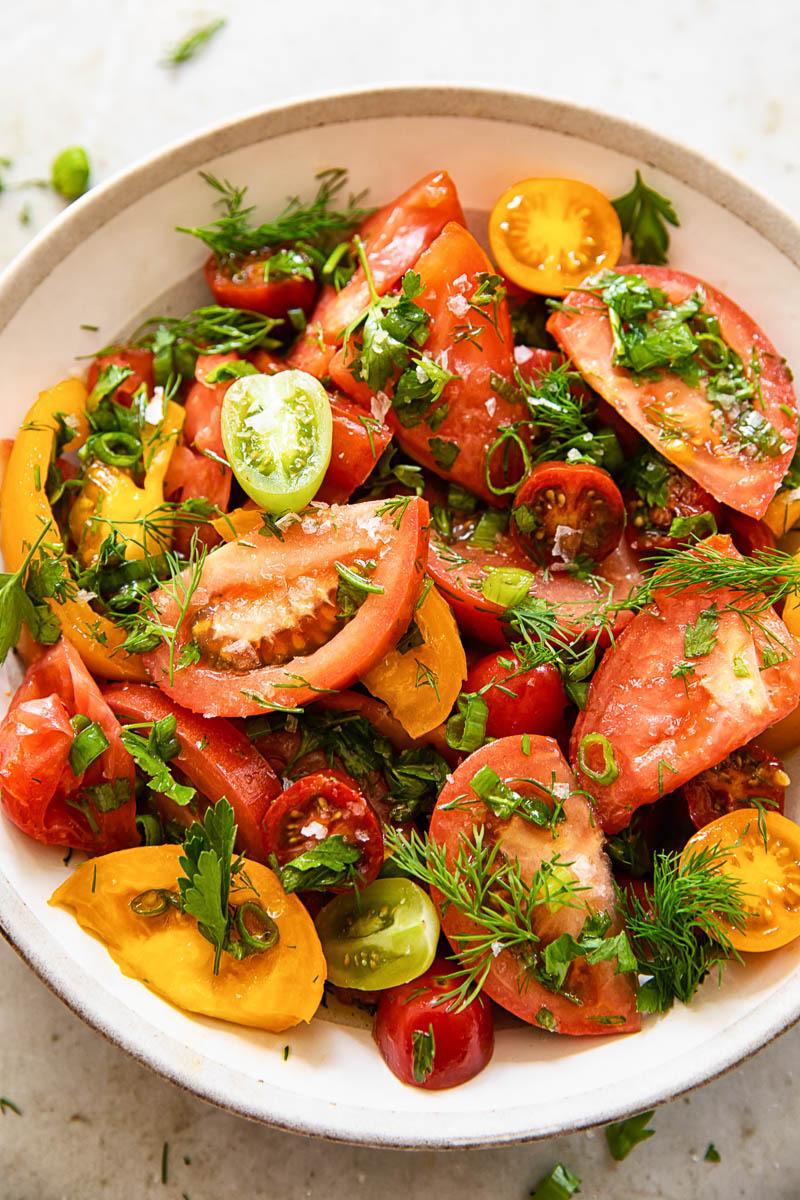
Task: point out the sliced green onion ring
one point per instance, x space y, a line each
266 934
116 448
154 902
610 770
506 586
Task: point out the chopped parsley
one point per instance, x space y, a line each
644 214
622 1136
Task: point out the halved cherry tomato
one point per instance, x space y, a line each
420 682
595 999
276 430
637 751
680 420
460 569
749 773
246 283
272 990
198 469
140 363
379 936
763 853
215 756
518 702
564 511
93 810
264 616
319 806
694 509
429 1044
393 237
549 234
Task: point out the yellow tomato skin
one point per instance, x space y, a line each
770 875
26 510
783 736
272 990
547 235
400 679
783 512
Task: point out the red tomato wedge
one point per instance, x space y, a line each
192 472
657 731
264 617
459 569
241 284
394 237
40 792
357 443
676 418
450 271
216 757
140 363
605 1000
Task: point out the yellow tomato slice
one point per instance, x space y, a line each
765 855
420 686
547 235
272 990
783 736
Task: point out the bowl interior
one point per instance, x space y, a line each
116 258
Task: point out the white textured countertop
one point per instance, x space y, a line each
718 75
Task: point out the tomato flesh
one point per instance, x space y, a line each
276 430
382 936
764 855
460 1043
518 701
677 418
700 717
685 501
320 806
40 792
748 773
604 1002
241 284
264 614
564 511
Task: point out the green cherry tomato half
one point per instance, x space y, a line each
276 430
383 935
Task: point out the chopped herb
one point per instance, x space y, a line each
424 1049
622 1136
164 1158
545 1019
152 754
89 743
285 1053
643 213
701 638
558 1184
592 944
698 525
444 453
740 668
10 1105
325 865
466 728
193 42
712 1154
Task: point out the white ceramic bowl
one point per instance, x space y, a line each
113 258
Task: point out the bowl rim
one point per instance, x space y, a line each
148 1045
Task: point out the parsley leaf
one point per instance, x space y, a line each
331 862
424 1049
444 453
151 755
643 213
622 1136
701 638
558 1184
592 944
205 887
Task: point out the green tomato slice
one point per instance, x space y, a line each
379 937
277 430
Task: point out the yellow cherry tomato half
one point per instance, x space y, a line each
273 989
547 235
421 677
765 856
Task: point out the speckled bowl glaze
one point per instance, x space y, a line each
113 257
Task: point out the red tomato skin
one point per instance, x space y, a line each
393 237
140 362
217 758
732 783
36 779
747 534
355 449
449 271
463 1041
480 618
271 298
331 799
602 992
744 483
582 486
537 705
397 540
648 529
695 729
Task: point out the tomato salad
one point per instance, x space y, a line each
414 627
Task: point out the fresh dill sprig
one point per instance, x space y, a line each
317 225
763 579
213 329
486 887
682 931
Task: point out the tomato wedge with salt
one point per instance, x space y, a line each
263 620
740 464
743 676
594 999
460 568
216 757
